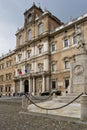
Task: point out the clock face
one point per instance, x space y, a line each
78 69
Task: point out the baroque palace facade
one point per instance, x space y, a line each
42 59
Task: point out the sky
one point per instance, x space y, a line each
11 16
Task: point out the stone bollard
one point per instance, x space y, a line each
63 93
54 95
24 102
84 107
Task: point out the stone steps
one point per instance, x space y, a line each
72 94
67 99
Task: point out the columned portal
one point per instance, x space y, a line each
26 86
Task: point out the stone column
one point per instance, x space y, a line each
23 69
46 46
32 66
43 84
35 67
33 86
24 55
22 58
84 107
29 85
46 64
32 51
71 70
16 72
21 86
16 58
35 51
0 91
47 84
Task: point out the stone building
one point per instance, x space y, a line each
7 73
45 50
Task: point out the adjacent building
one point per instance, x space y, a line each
7 73
45 50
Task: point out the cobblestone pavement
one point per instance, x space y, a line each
11 119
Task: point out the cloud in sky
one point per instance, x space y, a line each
11 16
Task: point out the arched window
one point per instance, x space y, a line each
20 39
29 35
29 17
40 28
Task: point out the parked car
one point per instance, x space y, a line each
57 92
18 94
46 93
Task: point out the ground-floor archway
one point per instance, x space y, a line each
26 86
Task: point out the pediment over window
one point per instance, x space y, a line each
66 58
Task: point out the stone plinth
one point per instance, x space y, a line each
54 96
84 107
24 102
79 73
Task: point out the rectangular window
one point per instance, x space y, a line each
53 67
66 43
7 64
10 63
53 47
67 65
19 57
7 77
74 40
27 69
53 84
10 76
40 28
40 50
29 17
28 54
1 66
20 40
29 35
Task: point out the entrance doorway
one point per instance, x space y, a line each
26 86
67 87
53 84
66 83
